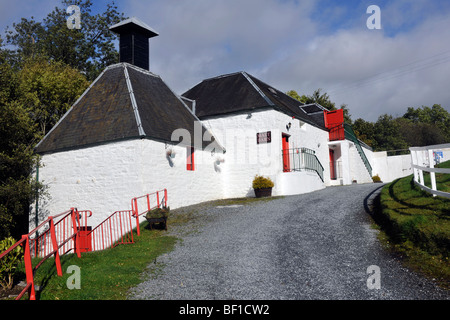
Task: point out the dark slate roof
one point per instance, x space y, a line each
124 102
242 92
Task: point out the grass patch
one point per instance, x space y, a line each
104 275
417 226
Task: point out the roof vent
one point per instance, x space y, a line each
133 44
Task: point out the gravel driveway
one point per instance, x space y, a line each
312 246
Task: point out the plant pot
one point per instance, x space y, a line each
263 192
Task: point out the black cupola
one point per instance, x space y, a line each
133 44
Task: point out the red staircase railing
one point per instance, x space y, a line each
114 230
65 227
69 231
158 198
48 247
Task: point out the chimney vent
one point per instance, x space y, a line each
133 44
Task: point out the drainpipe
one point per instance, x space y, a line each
36 216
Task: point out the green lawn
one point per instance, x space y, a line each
418 225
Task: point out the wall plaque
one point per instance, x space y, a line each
263 137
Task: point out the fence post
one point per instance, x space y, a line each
432 174
29 268
55 247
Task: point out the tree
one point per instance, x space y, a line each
387 134
47 89
31 101
89 49
17 132
435 116
365 131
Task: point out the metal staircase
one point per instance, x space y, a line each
350 135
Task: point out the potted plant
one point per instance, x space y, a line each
262 186
376 179
157 216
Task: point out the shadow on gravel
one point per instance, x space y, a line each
369 201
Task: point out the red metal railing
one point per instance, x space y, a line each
337 132
114 230
70 233
157 198
65 227
50 244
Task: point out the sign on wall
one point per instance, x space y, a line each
264 137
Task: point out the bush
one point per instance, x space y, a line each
260 182
9 263
157 213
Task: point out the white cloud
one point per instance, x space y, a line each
371 72
200 38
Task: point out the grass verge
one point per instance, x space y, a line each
417 226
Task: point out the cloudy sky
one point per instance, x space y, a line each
297 45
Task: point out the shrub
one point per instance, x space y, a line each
9 263
260 182
157 213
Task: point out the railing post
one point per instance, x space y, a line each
76 240
29 268
165 198
55 247
136 214
157 199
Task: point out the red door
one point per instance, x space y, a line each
286 161
332 165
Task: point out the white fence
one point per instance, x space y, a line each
424 159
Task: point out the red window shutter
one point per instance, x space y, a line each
190 165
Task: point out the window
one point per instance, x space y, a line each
190 166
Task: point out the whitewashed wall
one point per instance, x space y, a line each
105 178
392 167
358 171
245 158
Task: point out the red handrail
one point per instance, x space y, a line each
114 230
64 235
50 237
135 209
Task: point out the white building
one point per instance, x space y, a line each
129 135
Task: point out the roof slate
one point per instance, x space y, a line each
242 92
112 110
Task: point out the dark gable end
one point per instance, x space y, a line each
125 102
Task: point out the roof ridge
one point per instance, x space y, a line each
133 102
247 76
